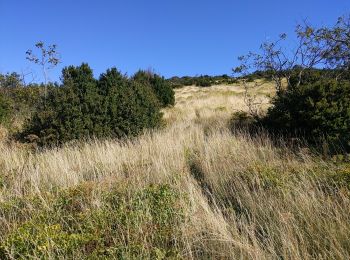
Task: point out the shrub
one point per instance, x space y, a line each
316 110
159 85
24 99
10 80
84 107
129 106
203 81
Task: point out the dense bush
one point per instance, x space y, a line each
23 99
18 99
319 110
159 85
84 107
129 106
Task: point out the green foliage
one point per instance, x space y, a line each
159 85
16 101
142 225
23 99
10 80
201 81
84 107
318 110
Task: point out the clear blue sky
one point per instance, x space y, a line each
174 37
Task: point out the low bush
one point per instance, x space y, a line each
319 111
203 81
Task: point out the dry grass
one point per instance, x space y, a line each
242 196
216 101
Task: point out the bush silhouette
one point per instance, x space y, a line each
84 107
159 85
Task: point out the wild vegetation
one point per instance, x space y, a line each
129 168
83 107
201 81
159 85
221 195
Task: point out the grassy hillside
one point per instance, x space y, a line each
191 190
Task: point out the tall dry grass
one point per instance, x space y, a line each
243 197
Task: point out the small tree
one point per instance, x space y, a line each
325 47
47 59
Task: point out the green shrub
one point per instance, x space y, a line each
159 85
203 81
131 106
68 112
24 99
319 111
10 80
84 107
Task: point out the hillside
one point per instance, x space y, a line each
193 189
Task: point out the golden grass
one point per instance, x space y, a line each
247 199
212 102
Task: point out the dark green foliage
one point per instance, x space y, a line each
159 85
201 81
204 81
69 111
129 106
177 82
319 111
84 107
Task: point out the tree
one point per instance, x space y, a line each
47 59
322 47
309 101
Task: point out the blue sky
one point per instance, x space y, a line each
179 37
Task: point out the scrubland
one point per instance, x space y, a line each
195 189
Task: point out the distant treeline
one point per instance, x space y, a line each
201 81
207 81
